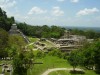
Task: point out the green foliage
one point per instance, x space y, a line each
88 56
73 59
55 52
61 72
12 51
97 56
22 62
91 55
87 72
3 38
16 40
18 68
3 42
88 33
48 63
30 55
40 54
5 22
41 31
58 53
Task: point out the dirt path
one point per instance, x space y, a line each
56 69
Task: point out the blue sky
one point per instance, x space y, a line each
54 12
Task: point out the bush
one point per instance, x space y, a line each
40 54
56 52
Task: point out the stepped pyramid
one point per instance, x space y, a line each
15 31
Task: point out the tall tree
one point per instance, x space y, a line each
73 59
97 56
5 22
21 63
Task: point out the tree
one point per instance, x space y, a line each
89 56
1 13
22 62
5 22
73 59
97 56
90 34
41 31
40 54
12 51
18 65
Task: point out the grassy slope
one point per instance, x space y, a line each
33 39
0 69
87 72
54 62
48 62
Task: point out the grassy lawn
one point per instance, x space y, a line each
0 69
31 47
60 73
48 62
33 39
7 73
87 72
47 43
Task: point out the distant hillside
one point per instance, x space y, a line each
96 29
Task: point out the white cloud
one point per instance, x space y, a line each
87 11
57 11
74 1
61 0
6 4
36 10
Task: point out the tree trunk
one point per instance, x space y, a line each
74 68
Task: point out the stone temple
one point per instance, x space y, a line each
15 31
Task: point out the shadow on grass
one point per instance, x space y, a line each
97 72
76 72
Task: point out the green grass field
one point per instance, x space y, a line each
50 62
0 69
87 72
7 73
33 39
59 73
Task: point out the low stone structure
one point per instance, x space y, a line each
70 42
42 39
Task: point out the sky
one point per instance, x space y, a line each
82 13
